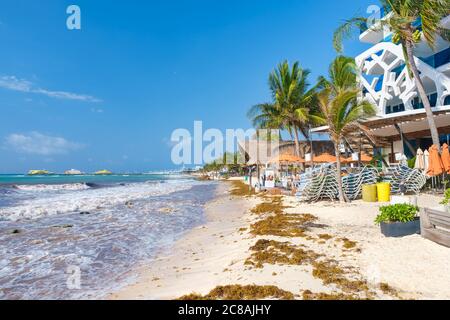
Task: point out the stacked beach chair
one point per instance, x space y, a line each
353 183
306 179
413 179
323 184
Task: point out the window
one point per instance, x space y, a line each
447 101
433 99
388 110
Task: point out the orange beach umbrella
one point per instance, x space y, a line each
446 158
286 158
364 158
326 158
435 167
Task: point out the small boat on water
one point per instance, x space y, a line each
103 173
73 172
38 172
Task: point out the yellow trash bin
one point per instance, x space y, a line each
369 193
384 192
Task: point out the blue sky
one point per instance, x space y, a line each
110 95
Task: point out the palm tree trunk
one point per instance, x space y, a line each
422 94
342 198
297 143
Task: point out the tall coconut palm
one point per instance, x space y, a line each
402 22
342 112
291 98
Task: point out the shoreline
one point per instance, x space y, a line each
216 254
195 255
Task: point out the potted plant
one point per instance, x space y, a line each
446 201
399 220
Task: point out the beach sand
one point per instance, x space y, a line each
214 254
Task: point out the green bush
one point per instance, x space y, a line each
397 213
446 197
412 162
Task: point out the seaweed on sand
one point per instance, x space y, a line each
388 290
274 252
348 244
283 225
330 273
239 292
240 189
325 236
270 205
308 295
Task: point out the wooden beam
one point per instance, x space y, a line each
404 139
348 145
374 147
422 133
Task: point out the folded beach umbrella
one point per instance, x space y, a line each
420 160
426 160
446 158
404 160
435 166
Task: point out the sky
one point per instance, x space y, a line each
110 95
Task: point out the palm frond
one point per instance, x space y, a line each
345 31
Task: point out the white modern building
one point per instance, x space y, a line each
400 123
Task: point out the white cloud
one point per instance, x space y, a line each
13 83
23 85
40 144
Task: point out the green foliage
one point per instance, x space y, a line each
401 21
233 162
397 213
292 99
446 197
412 162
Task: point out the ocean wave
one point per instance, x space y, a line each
53 187
88 199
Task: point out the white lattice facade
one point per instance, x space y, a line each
386 81
401 123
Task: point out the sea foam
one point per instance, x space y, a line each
60 199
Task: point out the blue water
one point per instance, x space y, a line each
12 179
45 232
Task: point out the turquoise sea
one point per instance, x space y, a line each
87 178
103 226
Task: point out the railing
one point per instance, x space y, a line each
439 59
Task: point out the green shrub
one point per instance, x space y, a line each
412 162
446 197
397 213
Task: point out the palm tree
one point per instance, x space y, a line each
402 22
291 98
265 116
342 112
341 73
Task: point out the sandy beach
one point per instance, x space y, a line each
341 237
